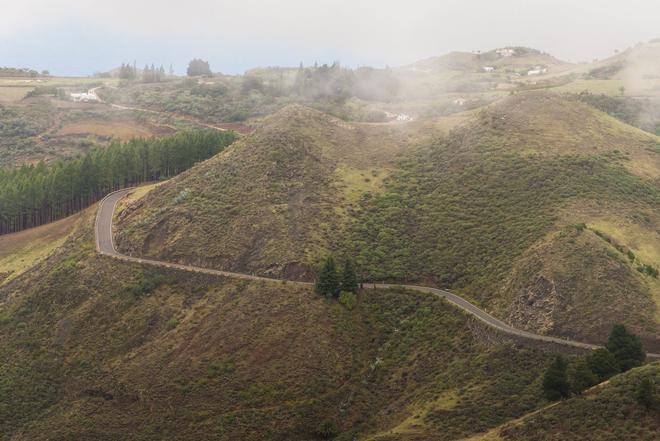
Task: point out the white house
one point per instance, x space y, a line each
488 69
459 101
506 52
83 97
537 71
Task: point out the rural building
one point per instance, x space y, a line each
398 116
83 97
488 69
459 101
506 52
537 71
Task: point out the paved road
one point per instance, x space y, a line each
105 245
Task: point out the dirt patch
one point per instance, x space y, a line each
123 130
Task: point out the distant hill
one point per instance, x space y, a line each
512 58
637 64
494 210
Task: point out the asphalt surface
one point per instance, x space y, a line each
105 245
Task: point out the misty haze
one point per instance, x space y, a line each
329 220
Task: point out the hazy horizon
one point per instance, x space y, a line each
72 37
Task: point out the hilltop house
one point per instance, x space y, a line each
83 97
459 101
506 52
488 69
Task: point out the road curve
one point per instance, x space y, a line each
105 246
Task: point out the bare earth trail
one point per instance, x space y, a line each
179 116
105 246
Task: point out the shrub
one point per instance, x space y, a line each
602 363
182 196
555 380
146 283
580 376
348 299
626 348
328 279
645 393
649 270
349 278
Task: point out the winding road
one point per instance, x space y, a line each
105 246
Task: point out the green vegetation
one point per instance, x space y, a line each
185 368
626 348
555 380
623 352
486 206
34 195
610 412
603 363
645 393
328 283
580 376
198 67
19 72
349 280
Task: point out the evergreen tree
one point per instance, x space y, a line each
37 194
626 348
349 280
555 380
645 393
580 376
198 67
602 363
328 279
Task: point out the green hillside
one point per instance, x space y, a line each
495 210
174 355
608 412
274 203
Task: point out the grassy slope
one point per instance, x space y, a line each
464 211
191 356
20 251
609 412
469 212
273 201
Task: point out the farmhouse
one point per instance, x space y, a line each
537 71
506 52
83 97
488 69
460 101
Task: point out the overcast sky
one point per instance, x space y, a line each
78 37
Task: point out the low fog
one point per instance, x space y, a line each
75 37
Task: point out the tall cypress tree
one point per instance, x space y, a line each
349 278
327 283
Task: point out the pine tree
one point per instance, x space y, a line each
580 376
603 364
328 280
626 348
645 393
555 380
349 280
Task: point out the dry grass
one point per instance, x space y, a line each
10 95
123 130
21 251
